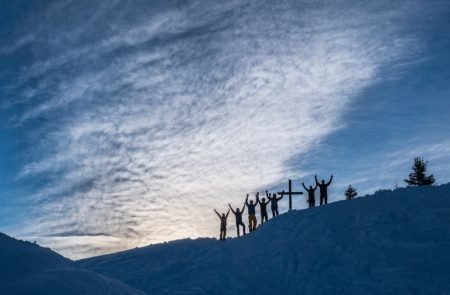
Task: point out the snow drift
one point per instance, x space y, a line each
393 242
27 268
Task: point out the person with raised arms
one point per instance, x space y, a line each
311 196
251 209
263 208
323 189
274 202
238 216
223 224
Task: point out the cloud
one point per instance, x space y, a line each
154 121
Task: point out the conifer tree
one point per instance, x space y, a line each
418 177
350 193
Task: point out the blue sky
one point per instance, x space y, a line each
125 123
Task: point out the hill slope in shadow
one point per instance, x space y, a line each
27 268
390 242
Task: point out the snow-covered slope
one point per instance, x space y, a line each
27 268
394 242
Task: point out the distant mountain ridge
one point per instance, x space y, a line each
393 242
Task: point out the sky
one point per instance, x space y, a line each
125 123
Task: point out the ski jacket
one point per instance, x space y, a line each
251 208
263 206
238 217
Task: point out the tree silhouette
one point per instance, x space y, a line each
418 176
350 193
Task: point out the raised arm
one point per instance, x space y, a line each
267 194
315 187
303 184
228 213
246 201
282 195
243 209
231 209
257 199
217 213
331 179
315 177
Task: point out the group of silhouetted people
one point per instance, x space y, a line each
273 200
323 188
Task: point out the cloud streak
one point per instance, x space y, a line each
150 121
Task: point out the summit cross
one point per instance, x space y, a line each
290 193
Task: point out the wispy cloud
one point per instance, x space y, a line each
153 121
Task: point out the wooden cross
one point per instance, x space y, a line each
290 193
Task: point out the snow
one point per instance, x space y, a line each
393 242
27 268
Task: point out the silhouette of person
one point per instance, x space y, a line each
252 222
323 189
223 224
274 202
238 216
263 208
311 196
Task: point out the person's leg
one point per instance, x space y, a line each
224 234
243 226
273 212
250 222
262 217
255 222
276 211
237 229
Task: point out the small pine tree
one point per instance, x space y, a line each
418 176
350 193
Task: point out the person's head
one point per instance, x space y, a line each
263 199
223 214
310 187
323 181
270 194
251 202
238 210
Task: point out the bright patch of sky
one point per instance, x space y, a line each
125 123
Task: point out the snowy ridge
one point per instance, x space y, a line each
27 268
393 242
